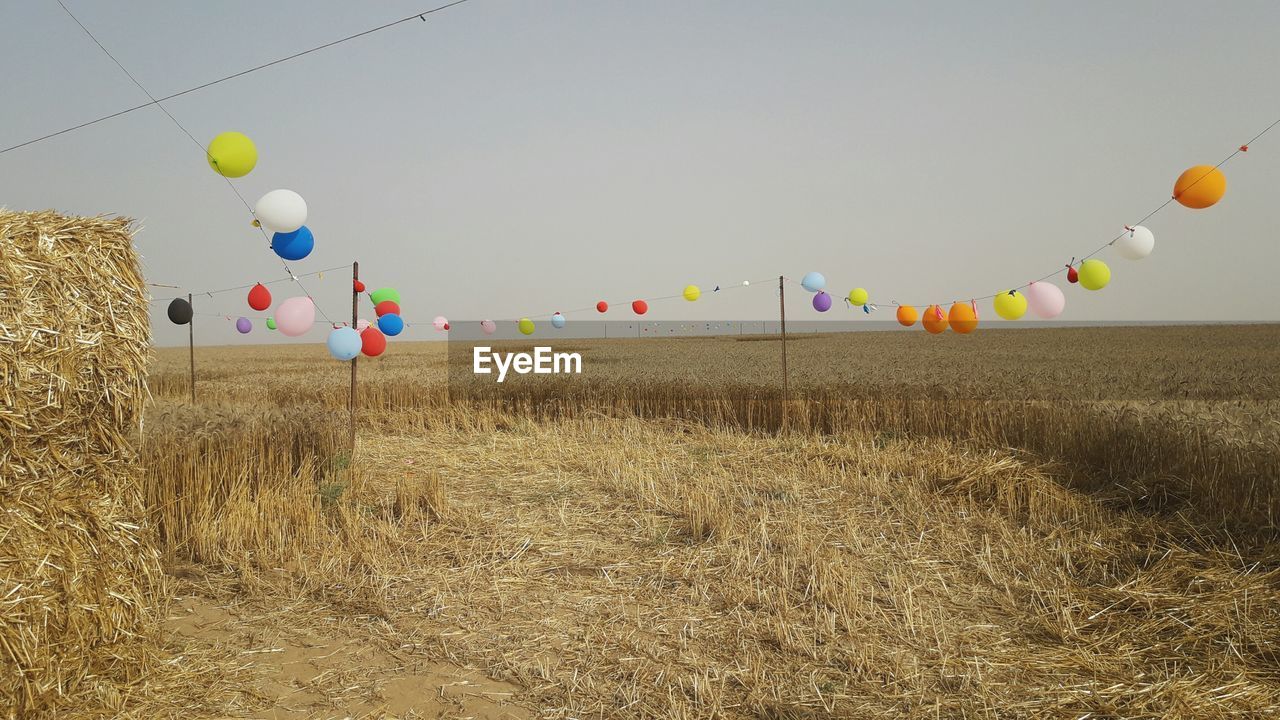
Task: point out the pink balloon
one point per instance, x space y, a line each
488 326
440 322
296 316
1046 299
361 324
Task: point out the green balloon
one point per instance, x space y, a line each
526 326
271 323
384 294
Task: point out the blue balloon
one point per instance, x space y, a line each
344 343
390 324
293 245
557 321
813 282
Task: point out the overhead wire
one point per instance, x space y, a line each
156 101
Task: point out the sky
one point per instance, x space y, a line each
510 158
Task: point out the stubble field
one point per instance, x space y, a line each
1032 523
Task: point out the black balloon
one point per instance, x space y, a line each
179 311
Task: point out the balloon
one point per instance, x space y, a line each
446 326
294 245
1136 244
440 323
296 315
372 342
1200 186
180 312
361 324
386 307
691 292
962 318
357 286
640 307
259 297
1094 274
344 343
271 323
1010 304
1045 299
1073 275
488 326
557 321
813 282
281 211
935 319
907 315
243 325
526 326
746 283
821 301
390 325
384 294
858 296
602 307
232 154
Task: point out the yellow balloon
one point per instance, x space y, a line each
232 155
858 296
691 293
1094 274
1011 304
526 326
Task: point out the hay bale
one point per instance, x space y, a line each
80 581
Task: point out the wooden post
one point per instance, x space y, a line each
782 322
191 347
355 310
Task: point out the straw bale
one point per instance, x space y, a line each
80 581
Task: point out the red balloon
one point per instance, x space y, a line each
446 326
372 342
1073 275
357 286
386 307
259 297
641 307
602 306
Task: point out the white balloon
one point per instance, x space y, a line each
1045 299
281 211
746 283
1136 244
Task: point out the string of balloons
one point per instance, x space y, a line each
1198 187
283 209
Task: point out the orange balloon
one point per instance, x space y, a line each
1200 186
907 315
962 318
932 322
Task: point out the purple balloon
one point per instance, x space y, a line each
243 326
822 302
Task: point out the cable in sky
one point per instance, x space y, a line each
156 101
197 143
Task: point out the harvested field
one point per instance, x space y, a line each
891 542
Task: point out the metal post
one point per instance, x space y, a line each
355 310
191 347
782 321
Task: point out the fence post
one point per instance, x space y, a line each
782 321
355 310
191 347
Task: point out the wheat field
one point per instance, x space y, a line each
1015 524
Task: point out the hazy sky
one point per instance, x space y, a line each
511 158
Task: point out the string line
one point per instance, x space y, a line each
155 101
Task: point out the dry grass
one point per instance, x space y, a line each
638 548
